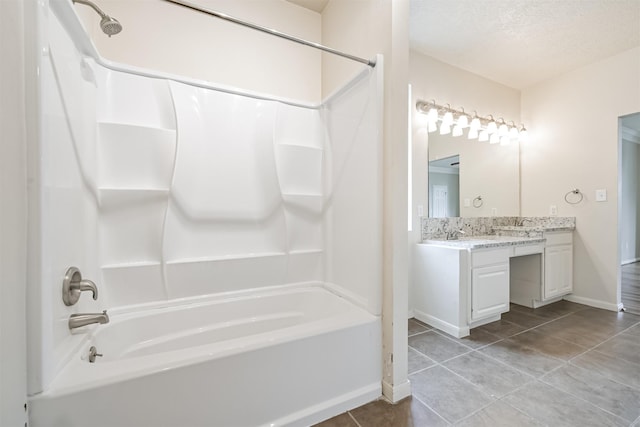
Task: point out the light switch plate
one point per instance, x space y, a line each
467 203
553 210
601 195
420 210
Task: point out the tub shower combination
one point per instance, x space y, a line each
235 237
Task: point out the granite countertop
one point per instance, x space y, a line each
534 228
482 242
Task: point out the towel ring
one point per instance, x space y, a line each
477 202
577 192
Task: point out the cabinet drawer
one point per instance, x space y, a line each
559 238
489 256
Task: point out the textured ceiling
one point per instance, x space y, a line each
521 42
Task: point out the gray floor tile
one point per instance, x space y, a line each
575 330
623 346
494 378
502 328
416 327
606 394
635 331
522 319
446 393
548 344
617 369
557 408
615 321
436 346
551 311
499 414
342 420
477 338
418 361
521 357
406 413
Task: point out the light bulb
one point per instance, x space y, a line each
495 138
513 133
432 115
504 140
503 130
523 136
457 130
473 133
447 119
492 127
484 136
463 121
445 128
432 127
475 124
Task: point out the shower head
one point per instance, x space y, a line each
109 25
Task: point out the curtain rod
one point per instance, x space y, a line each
188 5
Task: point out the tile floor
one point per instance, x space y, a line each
564 364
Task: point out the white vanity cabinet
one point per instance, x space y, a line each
489 283
558 265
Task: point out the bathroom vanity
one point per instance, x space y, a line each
461 284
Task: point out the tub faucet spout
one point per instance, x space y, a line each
82 319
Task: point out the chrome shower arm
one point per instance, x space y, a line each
88 3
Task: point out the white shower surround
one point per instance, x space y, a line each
163 190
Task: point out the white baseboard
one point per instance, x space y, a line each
630 261
593 302
441 324
411 314
395 393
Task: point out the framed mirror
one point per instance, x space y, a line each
488 177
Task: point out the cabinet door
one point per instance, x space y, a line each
558 271
489 291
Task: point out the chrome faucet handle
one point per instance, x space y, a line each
73 285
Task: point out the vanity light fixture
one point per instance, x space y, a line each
483 128
448 117
473 133
475 123
522 135
513 132
492 126
463 120
503 129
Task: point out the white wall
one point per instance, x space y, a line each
13 212
161 36
573 120
365 28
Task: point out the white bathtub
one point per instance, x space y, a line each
281 357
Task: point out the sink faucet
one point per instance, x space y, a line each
82 319
454 234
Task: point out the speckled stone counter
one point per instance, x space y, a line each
525 227
483 242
